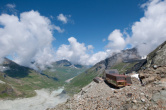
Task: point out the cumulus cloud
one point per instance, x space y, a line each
150 31
29 38
62 18
78 53
116 41
101 55
74 52
90 48
147 33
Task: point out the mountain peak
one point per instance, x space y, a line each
63 63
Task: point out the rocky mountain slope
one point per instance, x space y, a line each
155 68
146 93
157 57
100 96
122 61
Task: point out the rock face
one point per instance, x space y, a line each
155 65
123 56
150 74
100 96
157 57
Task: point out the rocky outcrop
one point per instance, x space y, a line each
100 96
137 66
155 67
124 55
150 74
157 57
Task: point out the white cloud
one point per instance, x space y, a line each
62 18
146 35
28 37
93 59
59 29
116 41
11 5
78 53
90 47
150 31
73 52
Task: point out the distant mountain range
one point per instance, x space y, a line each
63 70
20 81
122 61
68 64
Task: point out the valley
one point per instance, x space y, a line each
18 81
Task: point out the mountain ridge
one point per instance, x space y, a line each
19 81
116 61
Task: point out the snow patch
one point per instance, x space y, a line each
135 75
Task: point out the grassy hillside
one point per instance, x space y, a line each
63 73
20 81
25 86
86 77
123 67
80 81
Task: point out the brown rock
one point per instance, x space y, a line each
108 98
134 101
115 91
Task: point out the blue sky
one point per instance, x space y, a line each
86 31
91 21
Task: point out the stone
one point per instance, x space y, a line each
142 94
134 101
115 91
155 66
143 100
129 95
108 98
